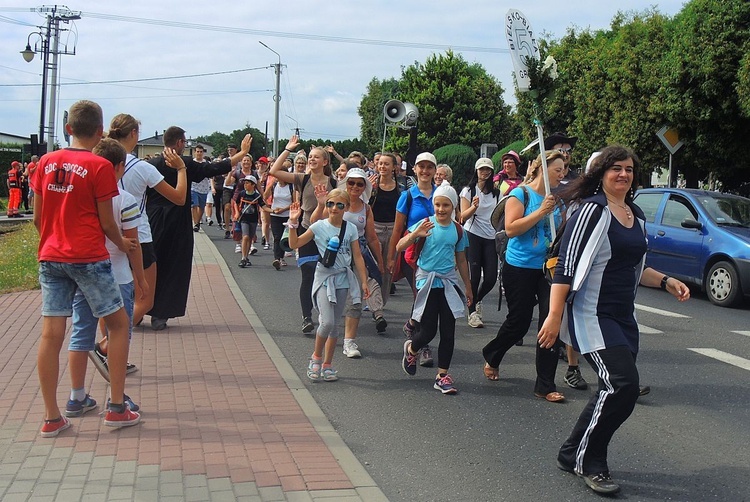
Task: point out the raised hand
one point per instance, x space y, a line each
295 211
321 192
173 160
293 143
247 141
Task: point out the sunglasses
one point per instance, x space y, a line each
355 183
339 205
566 151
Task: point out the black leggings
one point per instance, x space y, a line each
277 228
437 309
308 275
482 262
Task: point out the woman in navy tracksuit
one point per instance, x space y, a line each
601 263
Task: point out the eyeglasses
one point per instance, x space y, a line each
566 151
355 183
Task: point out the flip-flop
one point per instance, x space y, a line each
552 397
490 373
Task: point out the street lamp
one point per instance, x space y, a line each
296 124
276 99
48 44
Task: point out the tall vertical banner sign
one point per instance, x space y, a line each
522 43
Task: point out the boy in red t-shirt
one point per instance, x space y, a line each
14 190
73 191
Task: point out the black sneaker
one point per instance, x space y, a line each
227 234
643 390
380 324
243 263
601 483
77 408
131 368
100 362
307 325
196 227
158 324
409 361
574 379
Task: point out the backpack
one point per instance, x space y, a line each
416 248
498 221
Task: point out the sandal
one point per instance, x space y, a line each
490 373
552 397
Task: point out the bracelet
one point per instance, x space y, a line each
288 150
663 284
289 224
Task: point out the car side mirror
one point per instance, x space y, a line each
691 223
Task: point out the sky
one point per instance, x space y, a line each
330 50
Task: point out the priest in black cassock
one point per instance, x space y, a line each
172 228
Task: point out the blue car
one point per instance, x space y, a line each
700 237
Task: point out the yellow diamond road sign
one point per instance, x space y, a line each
670 138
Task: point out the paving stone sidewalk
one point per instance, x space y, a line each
224 416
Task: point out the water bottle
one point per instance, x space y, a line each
332 249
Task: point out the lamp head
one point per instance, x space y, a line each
28 54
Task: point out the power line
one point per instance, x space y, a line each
302 36
152 79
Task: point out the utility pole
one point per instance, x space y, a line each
50 46
276 99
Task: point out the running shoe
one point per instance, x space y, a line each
445 384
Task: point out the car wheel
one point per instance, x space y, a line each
723 284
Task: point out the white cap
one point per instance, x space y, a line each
591 161
446 191
484 162
356 172
426 156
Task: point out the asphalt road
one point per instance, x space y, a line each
688 440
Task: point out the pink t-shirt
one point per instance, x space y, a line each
70 183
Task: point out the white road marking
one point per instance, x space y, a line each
746 333
666 313
725 357
645 330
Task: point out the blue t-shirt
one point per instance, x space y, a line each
421 206
439 251
323 231
529 250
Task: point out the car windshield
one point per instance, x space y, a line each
727 210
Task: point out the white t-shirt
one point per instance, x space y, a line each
324 231
127 216
479 224
140 175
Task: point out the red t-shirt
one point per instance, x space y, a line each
71 182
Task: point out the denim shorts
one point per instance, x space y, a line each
197 199
83 334
59 282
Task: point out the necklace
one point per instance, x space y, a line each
623 206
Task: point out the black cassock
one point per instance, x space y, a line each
172 230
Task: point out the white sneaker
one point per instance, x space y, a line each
475 321
237 248
351 349
253 250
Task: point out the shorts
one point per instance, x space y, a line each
197 199
83 334
249 228
149 254
210 198
60 281
226 196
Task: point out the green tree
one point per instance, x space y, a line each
461 159
702 93
458 102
